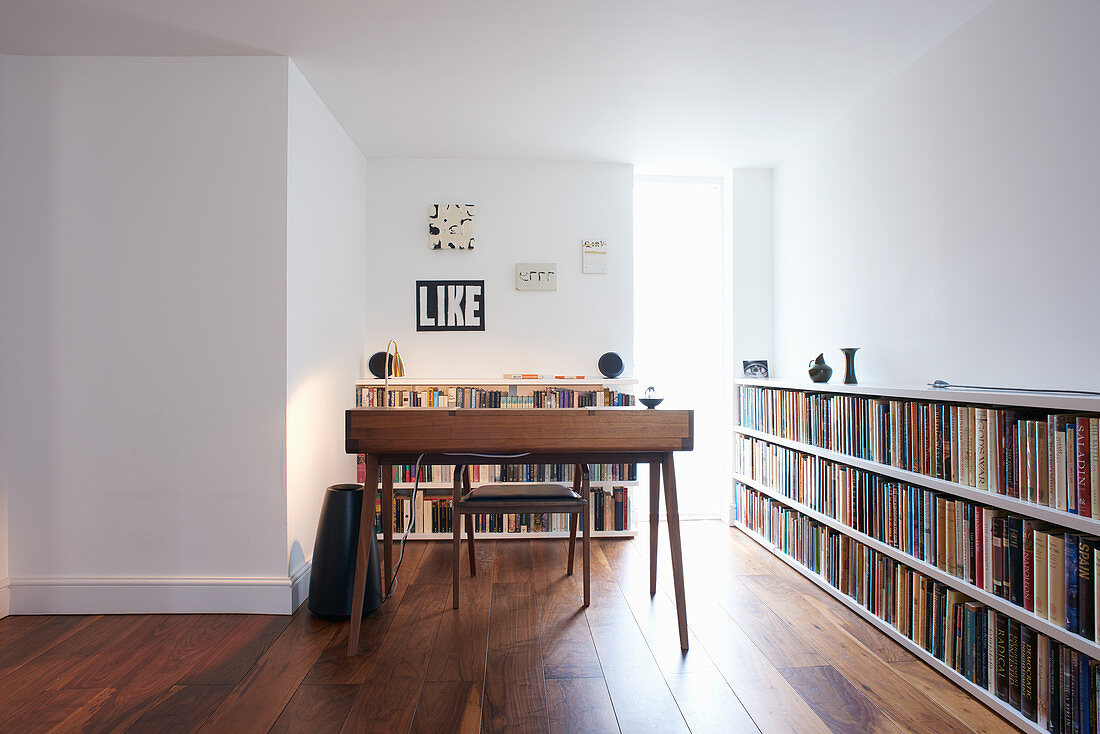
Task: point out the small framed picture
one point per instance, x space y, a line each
755 367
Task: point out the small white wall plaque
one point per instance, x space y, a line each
594 256
536 276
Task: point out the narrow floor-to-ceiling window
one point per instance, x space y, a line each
680 324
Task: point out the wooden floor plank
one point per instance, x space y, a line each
655 615
565 639
335 666
709 704
239 651
21 642
515 696
883 686
387 698
256 703
639 693
843 708
62 710
182 708
970 710
579 706
182 642
459 652
316 709
59 664
449 706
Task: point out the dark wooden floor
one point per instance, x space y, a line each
769 652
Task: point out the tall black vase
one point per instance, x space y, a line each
332 576
850 365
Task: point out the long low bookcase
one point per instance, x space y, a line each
857 428
488 393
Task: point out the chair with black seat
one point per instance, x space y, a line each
512 498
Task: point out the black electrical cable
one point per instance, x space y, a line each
412 515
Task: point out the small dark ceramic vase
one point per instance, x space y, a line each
819 371
850 365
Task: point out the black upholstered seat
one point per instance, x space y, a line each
521 492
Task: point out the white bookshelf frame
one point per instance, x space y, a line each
491 382
1000 707
1048 401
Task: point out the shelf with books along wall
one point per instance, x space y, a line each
845 458
611 483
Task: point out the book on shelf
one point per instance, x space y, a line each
1046 681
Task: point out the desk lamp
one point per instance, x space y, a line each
396 368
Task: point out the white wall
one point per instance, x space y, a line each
948 224
326 266
527 211
751 247
143 313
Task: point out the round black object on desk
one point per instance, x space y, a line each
377 365
610 365
332 576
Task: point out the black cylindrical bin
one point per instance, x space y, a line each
333 574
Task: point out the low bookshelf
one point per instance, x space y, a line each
612 484
963 524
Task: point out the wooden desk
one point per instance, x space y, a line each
390 436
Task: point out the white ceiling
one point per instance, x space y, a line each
695 85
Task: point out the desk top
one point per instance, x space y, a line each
554 434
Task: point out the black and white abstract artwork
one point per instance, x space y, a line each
450 305
451 227
536 276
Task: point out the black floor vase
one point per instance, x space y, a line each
333 574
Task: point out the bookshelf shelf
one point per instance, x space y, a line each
489 381
990 700
1029 618
1039 512
1053 401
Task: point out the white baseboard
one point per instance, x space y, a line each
262 595
5 598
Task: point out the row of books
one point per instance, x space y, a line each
610 511
481 473
1048 459
1049 683
479 397
1046 570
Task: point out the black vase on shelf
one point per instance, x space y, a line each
850 365
819 371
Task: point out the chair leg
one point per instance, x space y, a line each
572 538
470 550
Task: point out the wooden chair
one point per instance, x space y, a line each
533 498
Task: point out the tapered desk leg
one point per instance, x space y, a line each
366 536
672 518
654 520
387 524
456 537
586 492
